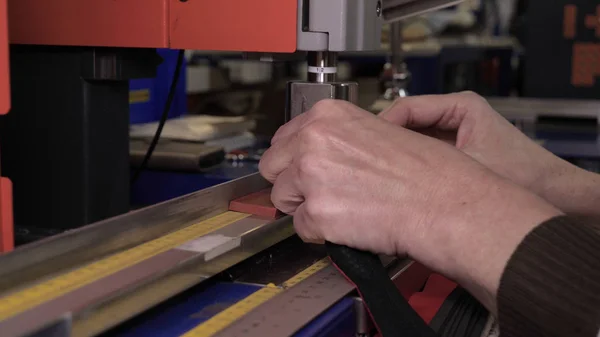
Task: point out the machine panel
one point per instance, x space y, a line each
131 23
236 25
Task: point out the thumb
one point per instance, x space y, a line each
441 111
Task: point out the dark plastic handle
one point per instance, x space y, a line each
390 311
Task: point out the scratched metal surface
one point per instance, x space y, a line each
73 248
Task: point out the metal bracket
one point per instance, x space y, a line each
394 10
303 95
339 25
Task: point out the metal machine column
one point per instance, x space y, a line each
396 83
321 84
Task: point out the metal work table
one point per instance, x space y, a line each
176 269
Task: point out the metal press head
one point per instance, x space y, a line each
395 10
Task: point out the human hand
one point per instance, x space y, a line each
467 121
354 179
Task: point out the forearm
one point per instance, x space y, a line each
549 284
571 189
478 240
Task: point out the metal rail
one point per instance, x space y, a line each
395 10
70 249
143 285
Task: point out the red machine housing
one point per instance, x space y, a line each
6 208
225 25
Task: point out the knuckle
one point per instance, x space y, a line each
472 96
263 168
276 195
314 210
282 206
305 234
326 108
324 105
469 93
314 132
307 165
475 103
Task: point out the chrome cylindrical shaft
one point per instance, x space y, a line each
322 66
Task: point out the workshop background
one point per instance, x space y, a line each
157 150
537 61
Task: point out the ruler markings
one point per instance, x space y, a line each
243 307
23 300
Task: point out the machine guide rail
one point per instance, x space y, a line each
140 252
89 298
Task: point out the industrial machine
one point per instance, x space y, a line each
70 64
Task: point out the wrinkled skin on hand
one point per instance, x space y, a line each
353 178
469 122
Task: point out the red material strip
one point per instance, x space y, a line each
6 216
412 279
428 302
258 204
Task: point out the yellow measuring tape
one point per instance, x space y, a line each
241 308
18 302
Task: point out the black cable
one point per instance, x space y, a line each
163 118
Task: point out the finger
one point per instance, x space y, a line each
285 194
289 128
277 158
305 228
441 111
323 109
443 135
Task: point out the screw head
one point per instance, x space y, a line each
378 9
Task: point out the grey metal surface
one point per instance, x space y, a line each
129 278
339 25
529 109
59 328
181 277
307 40
363 321
303 95
291 310
399 76
394 10
57 254
397 57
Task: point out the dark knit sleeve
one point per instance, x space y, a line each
551 284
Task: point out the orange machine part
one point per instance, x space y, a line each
585 64
593 21
6 216
236 25
230 25
570 22
128 23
